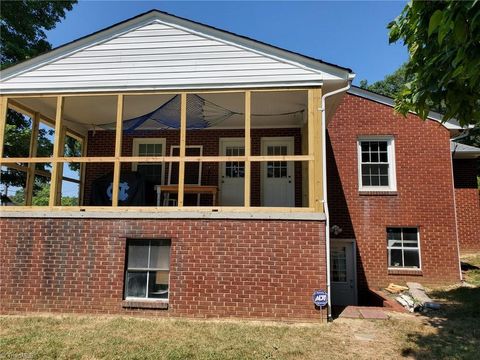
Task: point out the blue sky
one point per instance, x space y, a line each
348 33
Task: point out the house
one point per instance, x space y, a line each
208 185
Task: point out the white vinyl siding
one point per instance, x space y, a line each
159 55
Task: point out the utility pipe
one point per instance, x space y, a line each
325 202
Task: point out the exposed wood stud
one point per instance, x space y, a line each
32 153
3 121
118 151
54 183
248 148
183 143
315 168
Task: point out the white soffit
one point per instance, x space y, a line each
156 51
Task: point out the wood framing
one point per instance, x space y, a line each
311 151
3 121
118 151
54 183
248 149
32 153
315 168
183 146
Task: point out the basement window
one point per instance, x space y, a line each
376 164
148 269
403 248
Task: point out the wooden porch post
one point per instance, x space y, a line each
315 166
3 121
183 141
248 147
118 151
54 183
32 153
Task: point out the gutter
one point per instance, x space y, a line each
325 202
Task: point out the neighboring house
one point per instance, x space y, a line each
203 174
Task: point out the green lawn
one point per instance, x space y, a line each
451 333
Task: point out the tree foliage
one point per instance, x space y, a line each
390 86
443 39
22 33
22 27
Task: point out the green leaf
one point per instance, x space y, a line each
435 20
459 30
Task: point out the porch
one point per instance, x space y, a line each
213 151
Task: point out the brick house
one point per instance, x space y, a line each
216 176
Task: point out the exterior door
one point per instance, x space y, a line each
343 280
278 177
232 173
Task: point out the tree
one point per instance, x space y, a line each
22 28
443 39
22 34
390 86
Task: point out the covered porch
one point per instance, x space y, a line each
222 150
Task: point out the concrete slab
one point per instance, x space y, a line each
373 314
350 312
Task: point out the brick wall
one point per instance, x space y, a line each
424 198
219 268
102 143
468 204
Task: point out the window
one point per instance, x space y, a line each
376 164
403 248
153 172
235 169
148 264
277 169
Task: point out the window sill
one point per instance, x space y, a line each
412 272
145 304
377 193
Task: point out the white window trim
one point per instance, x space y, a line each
135 149
406 268
136 298
392 177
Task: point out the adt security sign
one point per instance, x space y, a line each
320 298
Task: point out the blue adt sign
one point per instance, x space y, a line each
320 298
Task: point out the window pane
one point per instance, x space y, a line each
374 157
366 181
395 258
365 146
136 284
384 180
383 169
158 285
160 255
365 157
374 146
411 258
375 180
383 157
394 233
138 254
409 234
395 243
382 146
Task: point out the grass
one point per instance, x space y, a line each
450 333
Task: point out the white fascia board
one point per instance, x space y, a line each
315 66
432 115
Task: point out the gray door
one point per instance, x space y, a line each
342 273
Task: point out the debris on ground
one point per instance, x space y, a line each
395 289
412 297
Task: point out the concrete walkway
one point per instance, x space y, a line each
363 312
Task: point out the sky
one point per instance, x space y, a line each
352 34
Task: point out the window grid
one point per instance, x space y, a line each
235 169
397 242
277 169
374 163
148 270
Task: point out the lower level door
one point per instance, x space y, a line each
342 262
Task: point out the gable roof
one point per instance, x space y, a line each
451 124
156 50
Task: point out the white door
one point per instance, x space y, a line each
342 262
278 178
232 173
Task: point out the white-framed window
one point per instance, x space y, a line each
403 244
376 163
153 172
148 269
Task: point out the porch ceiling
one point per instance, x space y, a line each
269 109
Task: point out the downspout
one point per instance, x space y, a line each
324 201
